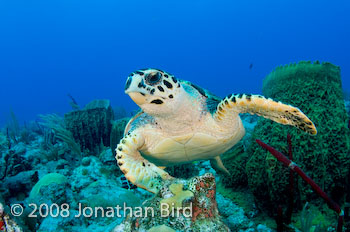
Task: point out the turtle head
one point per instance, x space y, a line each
155 91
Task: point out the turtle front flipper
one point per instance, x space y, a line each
267 108
136 169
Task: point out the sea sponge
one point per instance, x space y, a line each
317 90
91 126
235 160
179 195
117 132
45 181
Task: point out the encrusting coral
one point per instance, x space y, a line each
180 195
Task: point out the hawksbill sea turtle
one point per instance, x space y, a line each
181 122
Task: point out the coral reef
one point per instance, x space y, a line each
161 228
316 89
235 160
6 223
91 126
3 142
117 132
16 133
13 128
194 208
119 112
87 186
295 168
50 150
185 171
93 182
20 183
58 130
51 178
12 162
179 195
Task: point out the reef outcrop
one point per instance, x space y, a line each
181 205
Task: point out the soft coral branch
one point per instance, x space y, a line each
282 158
291 183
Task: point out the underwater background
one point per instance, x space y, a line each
88 48
63 110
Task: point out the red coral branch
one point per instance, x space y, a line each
279 219
282 158
291 183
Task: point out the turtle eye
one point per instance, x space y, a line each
153 78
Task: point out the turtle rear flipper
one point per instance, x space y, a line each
217 164
136 169
267 108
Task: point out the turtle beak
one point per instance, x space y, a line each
137 97
137 94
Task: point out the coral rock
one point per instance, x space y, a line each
51 178
6 223
180 195
162 228
198 211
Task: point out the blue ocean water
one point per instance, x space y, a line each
49 49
